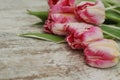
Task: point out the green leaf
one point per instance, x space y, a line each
111 30
112 2
114 8
108 21
118 24
113 16
40 14
45 36
107 36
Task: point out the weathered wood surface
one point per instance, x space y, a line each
31 59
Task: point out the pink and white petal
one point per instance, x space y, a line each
63 17
77 27
101 54
58 29
97 15
63 6
90 12
101 57
72 42
79 34
93 34
52 2
105 42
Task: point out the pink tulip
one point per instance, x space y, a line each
56 21
102 53
80 34
57 6
91 12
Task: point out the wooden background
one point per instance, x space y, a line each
31 59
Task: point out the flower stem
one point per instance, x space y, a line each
111 7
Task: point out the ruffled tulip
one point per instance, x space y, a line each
56 21
91 12
57 6
102 53
80 34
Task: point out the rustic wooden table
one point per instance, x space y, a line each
31 59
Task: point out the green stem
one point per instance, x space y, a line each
111 7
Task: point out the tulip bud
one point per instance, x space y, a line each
103 53
91 12
57 6
80 34
57 20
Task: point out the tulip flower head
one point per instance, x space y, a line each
57 6
56 22
91 12
102 53
80 34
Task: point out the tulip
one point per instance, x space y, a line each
103 53
91 12
80 34
57 6
56 22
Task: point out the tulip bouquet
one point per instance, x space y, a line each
89 25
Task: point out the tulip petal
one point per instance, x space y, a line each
58 29
91 12
52 2
57 6
102 53
63 6
58 19
80 34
